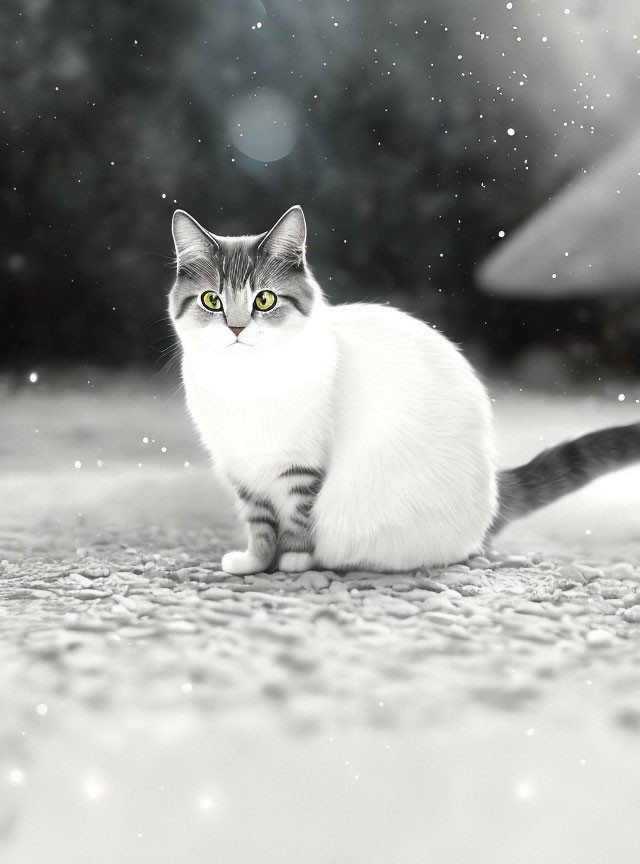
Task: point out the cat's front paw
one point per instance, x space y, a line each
242 563
295 562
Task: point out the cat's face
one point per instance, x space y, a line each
239 295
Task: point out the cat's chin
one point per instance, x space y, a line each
251 347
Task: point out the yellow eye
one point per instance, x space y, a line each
265 300
211 301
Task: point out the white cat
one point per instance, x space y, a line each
353 436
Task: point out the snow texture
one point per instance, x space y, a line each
156 709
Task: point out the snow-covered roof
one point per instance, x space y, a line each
585 241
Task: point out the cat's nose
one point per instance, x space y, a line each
236 330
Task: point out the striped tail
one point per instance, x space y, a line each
562 469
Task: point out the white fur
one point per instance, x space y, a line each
385 404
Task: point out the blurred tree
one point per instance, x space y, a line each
111 113
88 102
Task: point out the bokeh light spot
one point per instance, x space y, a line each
263 124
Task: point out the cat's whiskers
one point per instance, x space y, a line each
172 351
179 389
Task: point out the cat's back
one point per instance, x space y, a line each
383 348
389 329
412 445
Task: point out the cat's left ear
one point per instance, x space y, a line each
287 237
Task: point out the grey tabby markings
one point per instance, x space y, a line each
290 531
296 536
260 516
307 489
562 469
302 471
196 274
234 265
237 262
183 304
307 492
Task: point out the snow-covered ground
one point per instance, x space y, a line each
153 709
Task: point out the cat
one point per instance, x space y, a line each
352 436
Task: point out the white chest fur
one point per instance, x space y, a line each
259 412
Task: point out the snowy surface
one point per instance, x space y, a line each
157 710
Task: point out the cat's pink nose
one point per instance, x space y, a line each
236 330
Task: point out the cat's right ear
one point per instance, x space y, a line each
190 238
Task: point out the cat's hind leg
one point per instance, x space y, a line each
261 520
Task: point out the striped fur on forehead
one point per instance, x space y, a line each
241 258
200 267
244 267
237 261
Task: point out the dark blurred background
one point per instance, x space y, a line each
416 135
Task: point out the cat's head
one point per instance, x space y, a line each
241 294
